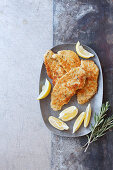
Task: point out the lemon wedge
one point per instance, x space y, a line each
78 121
58 124
82 52
68 114
45 90
88 116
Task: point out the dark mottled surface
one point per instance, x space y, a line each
91 22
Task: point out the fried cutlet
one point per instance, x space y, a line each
91 85
54 69
92 71
58 64
68 59
66 87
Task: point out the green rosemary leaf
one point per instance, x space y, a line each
87 136
92 127
95 117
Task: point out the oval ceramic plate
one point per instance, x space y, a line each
96 101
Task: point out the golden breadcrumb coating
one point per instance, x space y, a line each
68 59
91 85
66 87
54 69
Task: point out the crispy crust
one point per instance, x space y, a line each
47 62
90 88
68 59
66 87
58 64
92 71
88 91
54 69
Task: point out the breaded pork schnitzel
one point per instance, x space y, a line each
92 71
58 64
66 87
91 85
54 69
68 59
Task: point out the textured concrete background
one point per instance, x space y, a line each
25 35
90 22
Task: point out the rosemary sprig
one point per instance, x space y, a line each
102 124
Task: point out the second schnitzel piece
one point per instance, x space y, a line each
88 91
92 71
66 87
91 86
68 59
54 69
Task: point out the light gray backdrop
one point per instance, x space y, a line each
25 35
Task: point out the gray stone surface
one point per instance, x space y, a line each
91 22
25 35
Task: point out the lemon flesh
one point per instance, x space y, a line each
78 121
82 52
68 114
45 90
88 116
58 124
